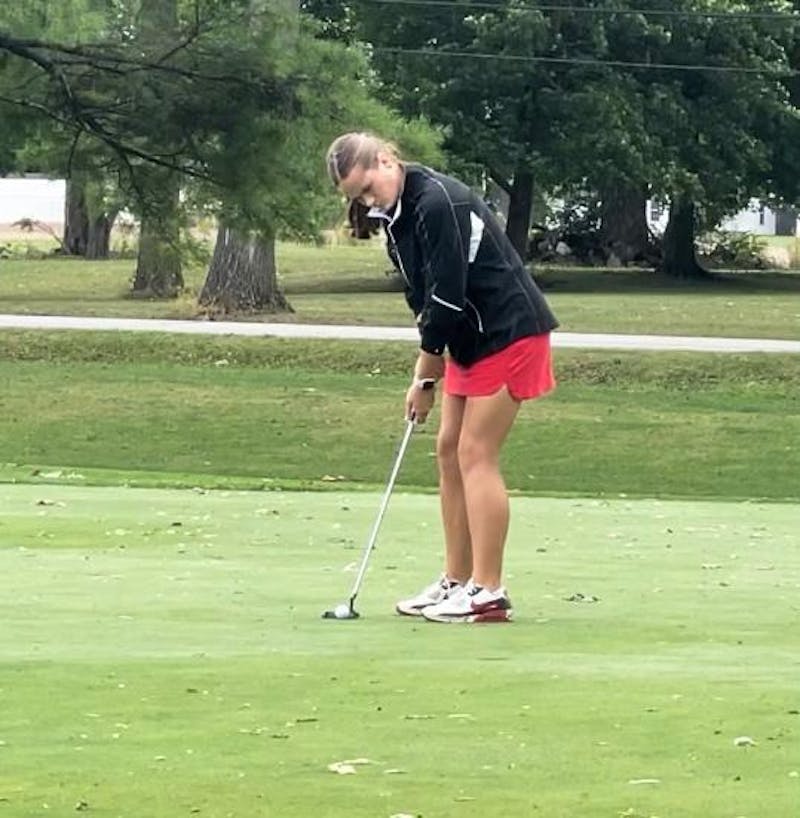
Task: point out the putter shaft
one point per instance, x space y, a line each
381 511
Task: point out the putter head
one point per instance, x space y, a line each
342 611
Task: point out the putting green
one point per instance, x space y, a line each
162 654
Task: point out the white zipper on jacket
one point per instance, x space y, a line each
477 314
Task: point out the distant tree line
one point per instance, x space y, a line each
611 101
176 109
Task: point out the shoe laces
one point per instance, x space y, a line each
472 589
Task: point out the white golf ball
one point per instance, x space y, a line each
341 611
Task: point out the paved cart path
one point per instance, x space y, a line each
581 340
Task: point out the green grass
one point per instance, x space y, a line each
67 286
162 655
348 284
266 413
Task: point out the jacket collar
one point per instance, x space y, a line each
390 216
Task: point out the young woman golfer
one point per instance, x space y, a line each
485 332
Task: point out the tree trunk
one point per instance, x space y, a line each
158 263
623 224
98 243
84 233
519 212
242 276
679 258
793 82
76 219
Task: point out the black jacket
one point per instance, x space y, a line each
464 281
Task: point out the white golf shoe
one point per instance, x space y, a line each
471 604
433 594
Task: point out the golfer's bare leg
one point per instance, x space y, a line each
458 549
484 428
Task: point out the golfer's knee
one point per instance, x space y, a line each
473 454
447 451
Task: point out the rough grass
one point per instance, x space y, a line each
267 413
375 358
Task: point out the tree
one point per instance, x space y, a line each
159 105
713 117
580 96
36 144
292 197
501 80
158 263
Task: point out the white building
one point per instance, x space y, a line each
31 197
757 219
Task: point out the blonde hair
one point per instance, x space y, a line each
355 148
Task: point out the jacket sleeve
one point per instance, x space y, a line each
444 262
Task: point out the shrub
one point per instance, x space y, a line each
722 248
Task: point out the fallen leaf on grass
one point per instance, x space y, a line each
342 768
582 598
348 766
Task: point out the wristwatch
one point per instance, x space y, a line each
425 383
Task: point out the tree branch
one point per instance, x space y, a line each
106 60
120 147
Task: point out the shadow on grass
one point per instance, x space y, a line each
580 280
585 280
344 285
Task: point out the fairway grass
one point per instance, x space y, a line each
162 654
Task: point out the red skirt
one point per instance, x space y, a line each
525 367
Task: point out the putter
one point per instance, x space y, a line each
347 610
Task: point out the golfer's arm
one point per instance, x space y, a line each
428 366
